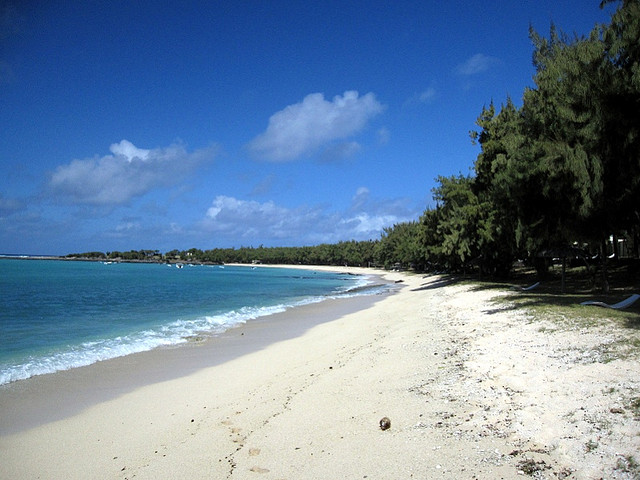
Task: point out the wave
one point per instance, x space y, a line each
170 334
174 333
369 289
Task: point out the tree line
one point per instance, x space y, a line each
354 253
554 177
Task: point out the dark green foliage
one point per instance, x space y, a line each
563 169
139 255
401 245
460 214
343 253
87 255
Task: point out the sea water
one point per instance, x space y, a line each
57 315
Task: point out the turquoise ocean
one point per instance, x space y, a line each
57 315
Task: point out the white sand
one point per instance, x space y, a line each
473 390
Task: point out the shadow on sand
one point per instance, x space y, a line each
437 282
547 295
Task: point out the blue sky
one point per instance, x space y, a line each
130 125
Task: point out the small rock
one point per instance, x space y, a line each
385 423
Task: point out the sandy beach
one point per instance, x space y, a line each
473 388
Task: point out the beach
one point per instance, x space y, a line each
473 389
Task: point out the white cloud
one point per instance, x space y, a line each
129 151
127 173
364 224
360 199
258 223
477 64
304 127
128 226
244 218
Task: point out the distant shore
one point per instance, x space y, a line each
473 389
182 261
88 259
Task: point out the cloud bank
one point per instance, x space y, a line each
253 221
127 173
304 127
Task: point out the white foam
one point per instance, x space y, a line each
173 333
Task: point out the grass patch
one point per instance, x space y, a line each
530 466
565 310
557 311
628 464
634 406
591 445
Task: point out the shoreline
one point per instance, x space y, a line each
27 403
170 330
474 389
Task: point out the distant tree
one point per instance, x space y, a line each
88 255
400 244
458 226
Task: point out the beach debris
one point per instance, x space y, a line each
530 466
385 423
